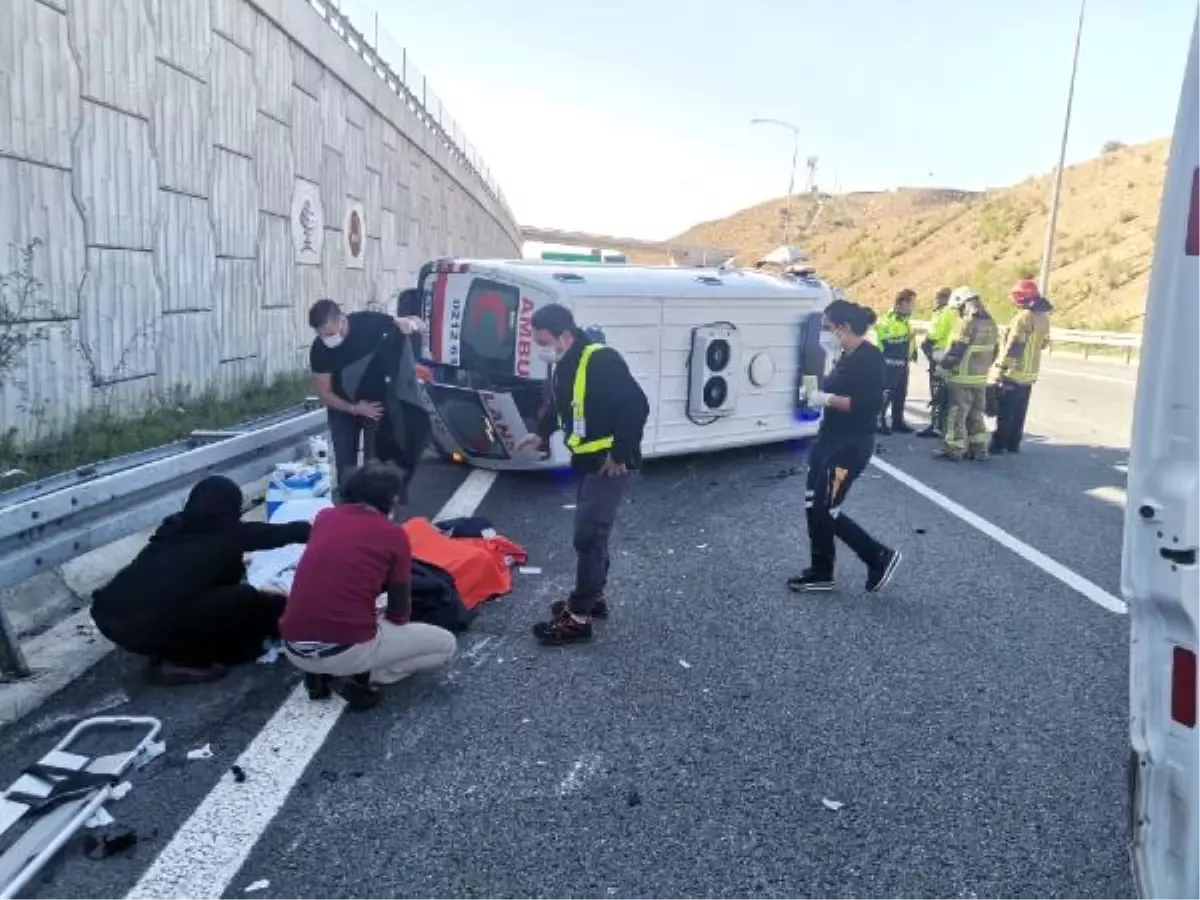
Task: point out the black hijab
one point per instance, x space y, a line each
214 505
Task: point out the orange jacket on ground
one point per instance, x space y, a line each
479 566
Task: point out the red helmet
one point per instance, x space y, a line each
1024 292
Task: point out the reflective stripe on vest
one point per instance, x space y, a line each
575 440
982 341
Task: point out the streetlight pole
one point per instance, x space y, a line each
1056 195
787 228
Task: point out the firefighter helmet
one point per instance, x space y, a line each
1024 292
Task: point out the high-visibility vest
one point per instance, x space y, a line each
941 328
1031 332
576 440
895 337
980 335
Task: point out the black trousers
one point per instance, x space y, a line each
939 402
349 434
1012 405
227 625
597 499
832 469
895 395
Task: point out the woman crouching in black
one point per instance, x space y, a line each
851 400
182 601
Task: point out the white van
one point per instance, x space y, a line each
720 353
1159 566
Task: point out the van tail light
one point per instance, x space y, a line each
1192 247
1183 687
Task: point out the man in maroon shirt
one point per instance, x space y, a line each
330 628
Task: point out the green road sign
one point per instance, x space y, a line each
550 256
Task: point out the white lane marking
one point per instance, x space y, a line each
1091 376
205 854
581 770
1108 494
1051 567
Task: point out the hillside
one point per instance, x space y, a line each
872 244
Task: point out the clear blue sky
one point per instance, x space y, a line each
632 118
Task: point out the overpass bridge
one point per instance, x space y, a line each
677 253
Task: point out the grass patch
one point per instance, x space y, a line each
100 434
1000 220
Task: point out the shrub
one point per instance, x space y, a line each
1112 147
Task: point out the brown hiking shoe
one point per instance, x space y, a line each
599 608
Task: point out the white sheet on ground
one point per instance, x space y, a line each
276 568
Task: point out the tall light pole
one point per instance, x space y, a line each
787 228
1056 195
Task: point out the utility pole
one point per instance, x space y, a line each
787 227
1056 195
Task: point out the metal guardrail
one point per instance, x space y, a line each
1129 341
50 527
403 78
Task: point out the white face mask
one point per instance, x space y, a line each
549 353
332 341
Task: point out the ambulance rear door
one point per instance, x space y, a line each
479 318
1162 536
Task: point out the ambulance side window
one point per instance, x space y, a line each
489 327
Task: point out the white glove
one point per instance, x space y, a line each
939 355
410 324
818 399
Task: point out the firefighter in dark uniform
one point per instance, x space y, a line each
602 411
894 335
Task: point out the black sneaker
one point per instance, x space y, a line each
319 687
358 692
563 629
810 582
599 608
879 575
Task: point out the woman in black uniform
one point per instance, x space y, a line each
851 399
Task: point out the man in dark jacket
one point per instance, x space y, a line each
363 367
602 411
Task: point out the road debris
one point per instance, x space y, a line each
121 790
204 752
685 663
238 773
101 818
832 805
150 752
530 570
261 885
114 841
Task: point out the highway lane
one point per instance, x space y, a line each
1065 492
971 721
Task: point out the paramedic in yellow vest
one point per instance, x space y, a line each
601 411
942 325
895 339
1020 359
967 363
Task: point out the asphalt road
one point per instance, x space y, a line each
969 725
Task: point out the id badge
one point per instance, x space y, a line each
579 426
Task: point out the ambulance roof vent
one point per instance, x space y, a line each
712 280
568 277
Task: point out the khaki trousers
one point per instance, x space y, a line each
396 652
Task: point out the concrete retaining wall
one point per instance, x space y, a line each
198 172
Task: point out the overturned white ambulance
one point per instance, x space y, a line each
720 353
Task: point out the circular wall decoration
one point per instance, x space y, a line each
354 235
762 369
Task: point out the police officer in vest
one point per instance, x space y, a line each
894 335
602 412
